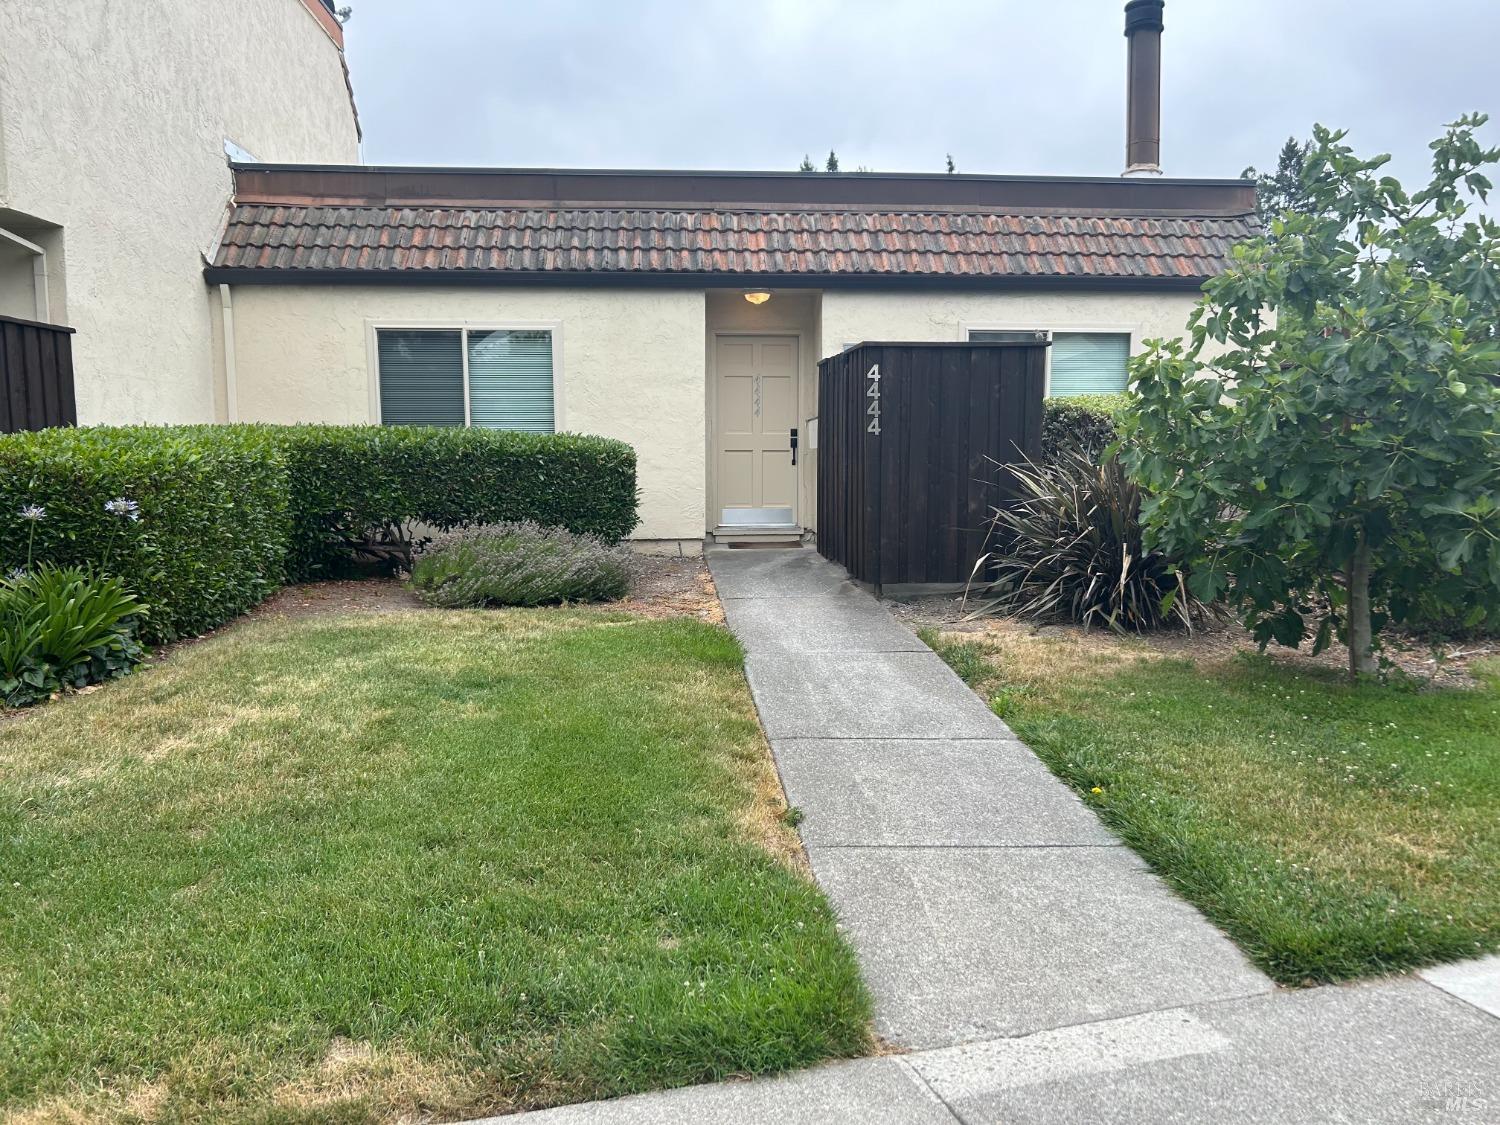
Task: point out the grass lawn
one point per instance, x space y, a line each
412 863
1333 831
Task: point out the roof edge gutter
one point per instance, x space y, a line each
254 275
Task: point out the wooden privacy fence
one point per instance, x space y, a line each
912 439
36 375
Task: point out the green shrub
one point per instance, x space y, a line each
64 627
1435 603
211 519
211 537
519 564
361 488
1070 549
1084 422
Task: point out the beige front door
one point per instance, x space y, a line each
756 410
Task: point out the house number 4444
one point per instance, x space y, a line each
873 394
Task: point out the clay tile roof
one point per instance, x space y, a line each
331 238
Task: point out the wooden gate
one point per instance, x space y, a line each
36 375
912 443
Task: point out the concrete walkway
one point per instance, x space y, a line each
1030 964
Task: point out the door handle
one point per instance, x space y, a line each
794 445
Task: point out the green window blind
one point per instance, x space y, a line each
990 336
421 377
510 380
1088 363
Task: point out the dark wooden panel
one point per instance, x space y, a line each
5 411
911 504
13 379
36 376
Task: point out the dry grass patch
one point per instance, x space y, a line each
408 864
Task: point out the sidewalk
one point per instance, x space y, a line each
1030 964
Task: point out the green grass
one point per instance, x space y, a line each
350 869
1334 831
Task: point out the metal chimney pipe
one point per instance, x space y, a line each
1143 27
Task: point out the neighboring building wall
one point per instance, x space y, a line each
629 362
851 318
113 119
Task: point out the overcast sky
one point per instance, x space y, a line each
1006 86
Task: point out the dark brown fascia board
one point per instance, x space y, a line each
345 185
254 275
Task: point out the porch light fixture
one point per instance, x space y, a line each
757 296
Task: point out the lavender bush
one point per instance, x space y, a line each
519 564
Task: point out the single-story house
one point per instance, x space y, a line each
683 312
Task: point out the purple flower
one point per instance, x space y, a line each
130 509
33 512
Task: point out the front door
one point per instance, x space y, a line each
756 408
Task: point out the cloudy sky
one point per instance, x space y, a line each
1006 86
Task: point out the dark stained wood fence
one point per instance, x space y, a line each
36 375
910 463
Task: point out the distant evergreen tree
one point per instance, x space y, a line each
1281 191
832 164
951 166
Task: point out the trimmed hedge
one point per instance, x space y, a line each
347 480
1086 422
229 512
212 536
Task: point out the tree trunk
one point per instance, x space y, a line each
1361 641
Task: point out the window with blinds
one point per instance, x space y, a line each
1081 363
421 378
1030 336
1088 363
494 378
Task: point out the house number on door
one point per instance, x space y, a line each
873 394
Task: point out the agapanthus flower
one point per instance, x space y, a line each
120 506
33 512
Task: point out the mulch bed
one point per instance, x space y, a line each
1220 641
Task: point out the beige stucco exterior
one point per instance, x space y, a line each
850 318
633 364
629 364
113 118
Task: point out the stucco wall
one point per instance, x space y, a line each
850 318
113 118
630 364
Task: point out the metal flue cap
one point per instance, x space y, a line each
1144 15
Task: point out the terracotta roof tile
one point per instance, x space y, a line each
833 243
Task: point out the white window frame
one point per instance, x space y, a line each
372 355
967 328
